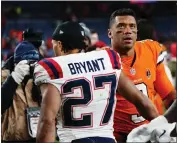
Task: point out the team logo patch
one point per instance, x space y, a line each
61 32
132 71
148 73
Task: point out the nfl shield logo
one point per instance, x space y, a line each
132 71
148 73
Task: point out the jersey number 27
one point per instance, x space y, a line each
87 92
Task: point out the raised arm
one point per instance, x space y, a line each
171 113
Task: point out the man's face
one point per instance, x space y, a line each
57 47
94 38
123 32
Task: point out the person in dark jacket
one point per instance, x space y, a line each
35 38
20 96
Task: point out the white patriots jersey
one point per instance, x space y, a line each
87 83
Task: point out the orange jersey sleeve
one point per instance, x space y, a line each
162 84
157 49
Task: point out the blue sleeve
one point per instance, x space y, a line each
6 94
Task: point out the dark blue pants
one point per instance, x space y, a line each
94 140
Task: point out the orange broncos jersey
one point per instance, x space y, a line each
146 70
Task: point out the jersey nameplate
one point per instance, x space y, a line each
87 66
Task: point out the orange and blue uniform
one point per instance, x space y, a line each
146 70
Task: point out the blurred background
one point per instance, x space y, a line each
16 16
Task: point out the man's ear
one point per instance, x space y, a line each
137 35
59 45
109 33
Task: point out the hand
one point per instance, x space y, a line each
143 133
162 133
21 70
140 134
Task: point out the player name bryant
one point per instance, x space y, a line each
87 66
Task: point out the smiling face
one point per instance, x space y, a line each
123 33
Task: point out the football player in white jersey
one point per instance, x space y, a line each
81 88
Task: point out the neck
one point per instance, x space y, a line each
74 51
126 53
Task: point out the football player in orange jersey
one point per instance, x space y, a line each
142 62
146 30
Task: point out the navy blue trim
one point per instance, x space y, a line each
52 67
116 65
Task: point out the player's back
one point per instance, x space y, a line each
87 83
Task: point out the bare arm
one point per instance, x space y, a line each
171 116
49 107
171 113
128 90
169 99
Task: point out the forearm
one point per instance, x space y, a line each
8 89
147 110
169 99
174 131
46 131
168 103
171 113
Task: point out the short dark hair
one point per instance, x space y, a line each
92 31
145 30
121 12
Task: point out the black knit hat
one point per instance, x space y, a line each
25 51
33 37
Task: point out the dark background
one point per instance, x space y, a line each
44 16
